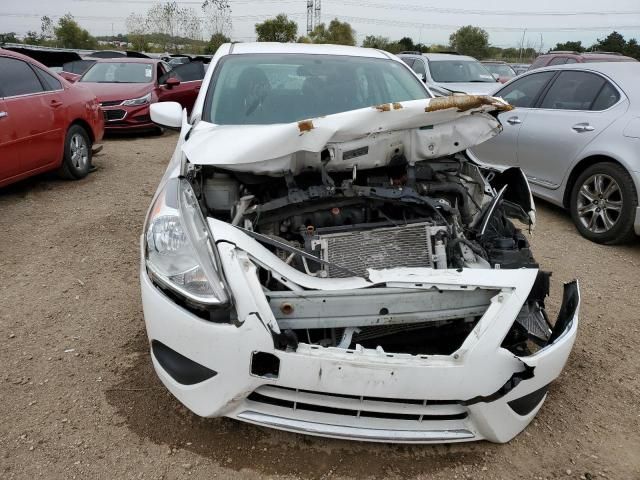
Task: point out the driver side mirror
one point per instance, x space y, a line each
423 76
172 82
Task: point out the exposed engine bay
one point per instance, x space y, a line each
438 213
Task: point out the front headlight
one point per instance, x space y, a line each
180 253
138 101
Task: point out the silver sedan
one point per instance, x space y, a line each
575 132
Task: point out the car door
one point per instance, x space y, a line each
190 76
502 150
574 109
36 117
8 160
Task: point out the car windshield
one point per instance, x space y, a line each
500 69
459 71
264 89
116 72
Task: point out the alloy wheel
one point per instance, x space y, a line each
599 203
79 151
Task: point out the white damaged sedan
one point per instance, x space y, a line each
322 257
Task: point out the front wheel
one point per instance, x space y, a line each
76 163
603 204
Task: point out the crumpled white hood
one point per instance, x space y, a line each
449 125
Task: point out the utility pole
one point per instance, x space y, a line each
317 17
309 16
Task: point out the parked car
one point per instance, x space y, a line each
558 57
451 72
520 68
303 273
46 123
575 132
502 71
125 88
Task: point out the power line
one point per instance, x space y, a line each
438 26
457 11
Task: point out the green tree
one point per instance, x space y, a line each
32 38
632 49
372 41
70 35
614 42
8 37
338 33
407 44
470 40
570 46
214 43
279 29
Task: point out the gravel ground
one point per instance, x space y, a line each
79 398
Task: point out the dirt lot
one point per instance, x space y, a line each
79 399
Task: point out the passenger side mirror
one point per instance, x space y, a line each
167 114
172 82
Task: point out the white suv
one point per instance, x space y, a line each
445 73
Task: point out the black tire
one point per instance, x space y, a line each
603 204
76 162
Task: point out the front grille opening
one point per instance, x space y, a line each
426 338
265 364
353 412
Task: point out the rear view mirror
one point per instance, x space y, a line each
167 114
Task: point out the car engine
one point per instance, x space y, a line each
440 213
436 214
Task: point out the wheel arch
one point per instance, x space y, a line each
85 125
580 167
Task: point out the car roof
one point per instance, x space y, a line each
435 57
624 74
125 60
306 48
499 62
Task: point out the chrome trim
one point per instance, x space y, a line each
636 224
33 94
354 433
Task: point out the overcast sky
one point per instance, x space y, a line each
430 21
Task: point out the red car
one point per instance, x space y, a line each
557 57
125 88
46 123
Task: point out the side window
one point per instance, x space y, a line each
571 60
408 60
418 67
558 61
17 78
187 72
524 92
607 97
573 91
49 81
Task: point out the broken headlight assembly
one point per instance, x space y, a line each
180 253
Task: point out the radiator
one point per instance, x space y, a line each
389 247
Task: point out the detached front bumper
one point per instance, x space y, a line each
481 391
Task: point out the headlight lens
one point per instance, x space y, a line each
179 251
138 101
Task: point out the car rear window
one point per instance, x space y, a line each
573 91
266 89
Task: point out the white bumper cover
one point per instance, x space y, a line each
357 394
